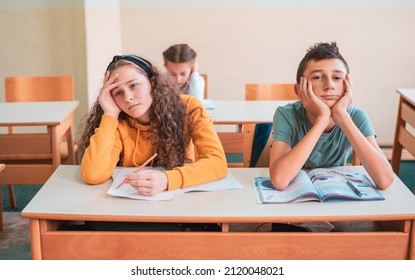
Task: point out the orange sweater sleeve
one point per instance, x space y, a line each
103 153
211 164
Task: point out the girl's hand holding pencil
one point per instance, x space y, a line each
147 182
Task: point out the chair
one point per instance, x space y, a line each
270 92
2 166
205 77
261 157
256 137
404 137
36 89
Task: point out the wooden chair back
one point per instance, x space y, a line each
270 92
404 137
205 77
36 89
248 140
262 92
39 88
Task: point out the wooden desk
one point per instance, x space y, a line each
65 197
57 117
404 137
239 112
2 166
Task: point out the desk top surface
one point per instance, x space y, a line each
245 111
408 94
66 196
35 113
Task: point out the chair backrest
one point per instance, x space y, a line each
257 137
404 135
205 93
39 88
270 92
256 145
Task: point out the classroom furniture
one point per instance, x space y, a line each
65 197
270 92
248 146
257 137
2 166
404 136
31 157
205 93
232 114
41 88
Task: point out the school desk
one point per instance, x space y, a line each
32 157
65 197
229 116
404 136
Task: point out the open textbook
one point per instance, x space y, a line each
227 183
320 184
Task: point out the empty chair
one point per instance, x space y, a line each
36 89
257 139
404 136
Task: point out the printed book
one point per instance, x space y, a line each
320 184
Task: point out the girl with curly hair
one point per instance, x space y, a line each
138 113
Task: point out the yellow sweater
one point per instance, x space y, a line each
113 137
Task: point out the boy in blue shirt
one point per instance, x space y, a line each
321 129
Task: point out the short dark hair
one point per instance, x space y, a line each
320 51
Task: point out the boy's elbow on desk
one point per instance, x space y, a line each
279 183
385 181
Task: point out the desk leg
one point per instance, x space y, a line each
70 138
35 239
411 251
56 157
397 147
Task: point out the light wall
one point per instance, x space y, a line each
237 41
263 42
42 38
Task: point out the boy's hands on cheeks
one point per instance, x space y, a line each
105 98
148 182
317 108
340 108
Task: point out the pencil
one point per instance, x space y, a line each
356 191
138 169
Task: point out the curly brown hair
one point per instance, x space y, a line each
169 120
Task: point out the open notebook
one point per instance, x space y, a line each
126 190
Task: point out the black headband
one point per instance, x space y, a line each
139 61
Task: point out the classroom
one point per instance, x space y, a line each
238 42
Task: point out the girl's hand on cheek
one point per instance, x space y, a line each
105 99
195 67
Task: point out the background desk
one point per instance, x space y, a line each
57 117
65 197
237 113
404 135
